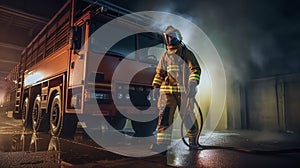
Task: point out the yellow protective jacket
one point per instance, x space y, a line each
176 69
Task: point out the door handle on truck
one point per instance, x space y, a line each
72 65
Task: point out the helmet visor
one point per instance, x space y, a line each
171 38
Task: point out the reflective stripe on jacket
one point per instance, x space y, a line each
175 68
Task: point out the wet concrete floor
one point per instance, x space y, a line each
19 148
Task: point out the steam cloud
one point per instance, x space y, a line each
254 38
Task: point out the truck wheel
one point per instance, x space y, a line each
39 119
144 129
61 124
117 123
26 120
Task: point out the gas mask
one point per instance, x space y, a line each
172 36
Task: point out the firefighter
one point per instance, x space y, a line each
177 76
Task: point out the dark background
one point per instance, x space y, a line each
258 38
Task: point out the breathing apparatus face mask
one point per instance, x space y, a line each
172 38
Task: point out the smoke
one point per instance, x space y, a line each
264 50
248 35
228 39
253 38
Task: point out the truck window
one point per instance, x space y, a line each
124 48
151 47
79 36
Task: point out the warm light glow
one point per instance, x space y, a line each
1 98
32 78
203 96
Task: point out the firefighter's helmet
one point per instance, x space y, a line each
172 36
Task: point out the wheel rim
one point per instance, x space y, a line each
23 114
55 115
35 115
24 110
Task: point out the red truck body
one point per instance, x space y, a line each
56 80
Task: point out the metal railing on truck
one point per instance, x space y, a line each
52 37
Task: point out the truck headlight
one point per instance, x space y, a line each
127 96
149 97
120 96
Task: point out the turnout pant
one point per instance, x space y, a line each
167 104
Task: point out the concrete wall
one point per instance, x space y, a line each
262 111
291 106
271 103
236 106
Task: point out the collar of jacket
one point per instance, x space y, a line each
174 49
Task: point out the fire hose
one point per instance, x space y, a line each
232 148
207 147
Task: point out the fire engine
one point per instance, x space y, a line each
55 83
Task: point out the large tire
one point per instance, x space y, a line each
144 129
40 121
117 123
61 124
26 119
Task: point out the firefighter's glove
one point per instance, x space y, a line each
155 93
191 90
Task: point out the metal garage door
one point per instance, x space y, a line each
292 104
262 110
274 103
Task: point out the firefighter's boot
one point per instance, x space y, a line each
193 143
